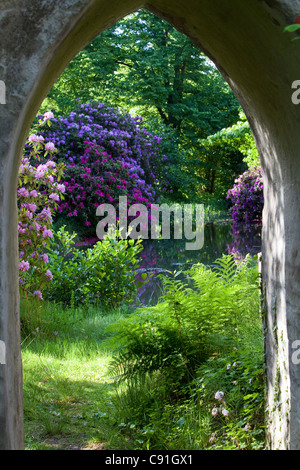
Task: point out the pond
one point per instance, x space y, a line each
160 256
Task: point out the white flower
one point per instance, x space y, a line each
228 366
225 412
214 411
219 395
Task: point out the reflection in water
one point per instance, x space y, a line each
160 256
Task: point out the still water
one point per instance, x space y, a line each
160 256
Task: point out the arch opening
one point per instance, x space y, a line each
233 36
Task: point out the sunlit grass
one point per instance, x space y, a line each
67 393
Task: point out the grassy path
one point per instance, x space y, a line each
67 393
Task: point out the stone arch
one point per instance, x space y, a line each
259 61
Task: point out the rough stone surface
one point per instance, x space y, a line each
247 43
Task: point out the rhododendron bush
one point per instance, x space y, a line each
96 179
38 195
247 201
107 154
247 198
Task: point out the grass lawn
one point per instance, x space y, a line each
67 393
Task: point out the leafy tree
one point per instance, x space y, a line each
144 65
225 155
143 61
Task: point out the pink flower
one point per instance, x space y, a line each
32 207
23 192
37 226
33 193
29 214
45 258
49 274
219 395
40 171
24 265
49 146
48 115
47 233
35 138
38 293
54 196
46 213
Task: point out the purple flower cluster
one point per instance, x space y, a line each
118 134
247 198
107 154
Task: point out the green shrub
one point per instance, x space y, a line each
103 273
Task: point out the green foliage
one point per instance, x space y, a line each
292 28
102 274
188 324
240 376
225 155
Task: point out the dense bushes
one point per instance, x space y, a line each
107 154
99 179
103 274
232 386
